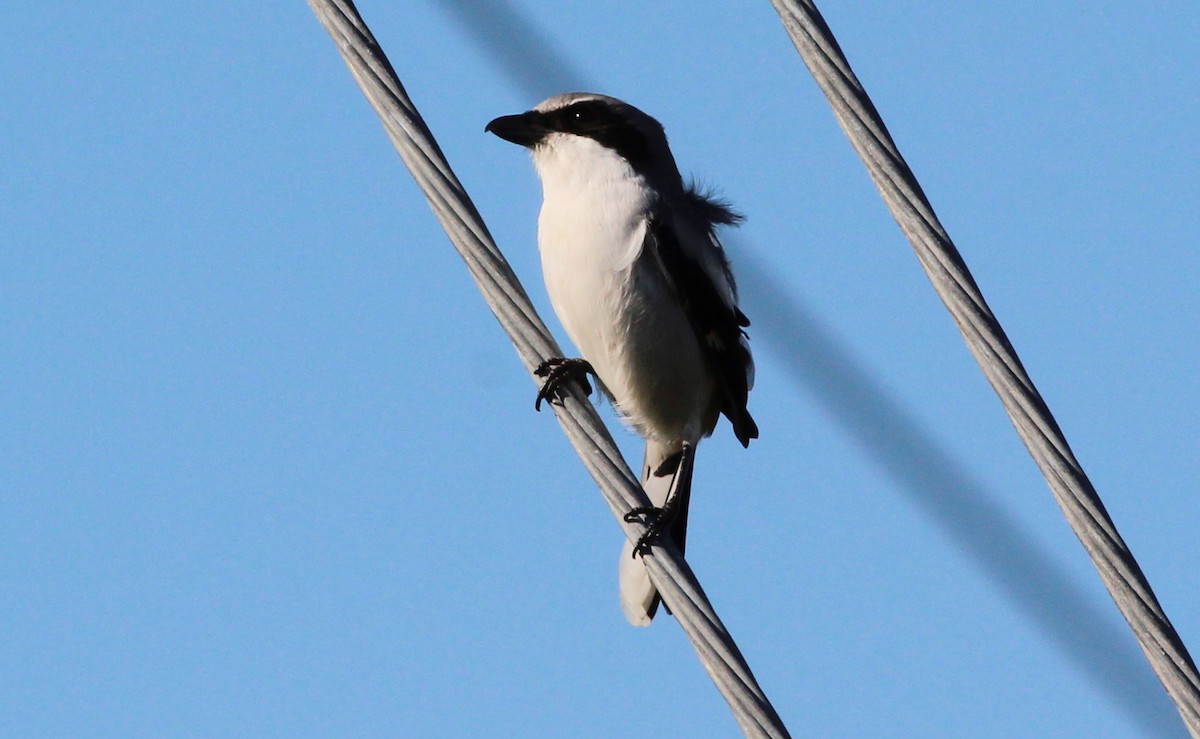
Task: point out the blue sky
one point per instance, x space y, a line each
269 468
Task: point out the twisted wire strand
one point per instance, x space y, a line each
506 298
965 511
996 357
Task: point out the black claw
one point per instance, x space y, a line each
647 540
557 372
544 368
636 513
659 520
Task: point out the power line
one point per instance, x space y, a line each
980 522
674 579
996 357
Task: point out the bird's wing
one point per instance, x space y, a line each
699 276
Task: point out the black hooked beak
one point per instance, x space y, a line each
526 129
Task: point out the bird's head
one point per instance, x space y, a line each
573 119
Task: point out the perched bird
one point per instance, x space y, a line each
639 281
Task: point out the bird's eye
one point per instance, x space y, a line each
583 114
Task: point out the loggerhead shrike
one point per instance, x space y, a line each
639 281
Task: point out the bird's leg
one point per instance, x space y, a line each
560 370
669 466
679 467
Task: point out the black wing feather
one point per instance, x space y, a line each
718 325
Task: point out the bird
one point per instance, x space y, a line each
641 284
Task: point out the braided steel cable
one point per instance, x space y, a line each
506 298
996 357
965 510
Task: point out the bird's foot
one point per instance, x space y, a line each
656 519
558 371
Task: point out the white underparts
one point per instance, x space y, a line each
611 298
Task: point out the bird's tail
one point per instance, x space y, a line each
664 466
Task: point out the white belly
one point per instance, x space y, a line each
618 311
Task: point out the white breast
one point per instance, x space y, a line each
614 304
